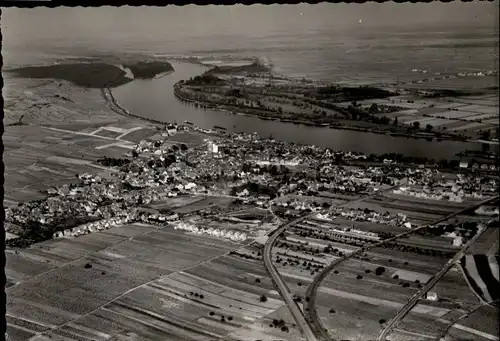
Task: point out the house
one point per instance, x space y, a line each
487 210
212 147
463 164
432 296
190 186
172 217
457 241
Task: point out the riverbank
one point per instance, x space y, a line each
154 102
268 116
113 104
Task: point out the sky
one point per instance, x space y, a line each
24 26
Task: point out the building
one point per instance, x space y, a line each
458 241
432 296
487 211
212 147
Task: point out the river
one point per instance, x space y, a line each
154 99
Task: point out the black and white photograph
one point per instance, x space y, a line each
280 172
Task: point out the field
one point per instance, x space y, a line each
38 157
356 299
478 322
65 130
487 243
220 297
445 114
454 113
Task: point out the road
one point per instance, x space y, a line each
280 283
278 280
414 299
313 316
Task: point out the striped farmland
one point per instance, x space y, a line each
481 272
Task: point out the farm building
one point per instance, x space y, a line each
432 296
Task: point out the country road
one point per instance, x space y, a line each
414 299
313 317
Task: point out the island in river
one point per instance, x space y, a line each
98 74
398 110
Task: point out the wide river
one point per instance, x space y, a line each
154 99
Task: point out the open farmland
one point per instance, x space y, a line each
350 307
357 293
446 113
455 295
236 283
55 103
384 277
39 158
144 283
121 259
483 320
487 243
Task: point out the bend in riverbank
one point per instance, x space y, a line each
108 96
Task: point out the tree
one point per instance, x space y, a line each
373 108
454 164
395 121
428 128
485 147
263 298
379 271
485 135
183 147
416 125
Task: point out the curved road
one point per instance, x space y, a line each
278 280
280 283
313 316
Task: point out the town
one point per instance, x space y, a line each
383 225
